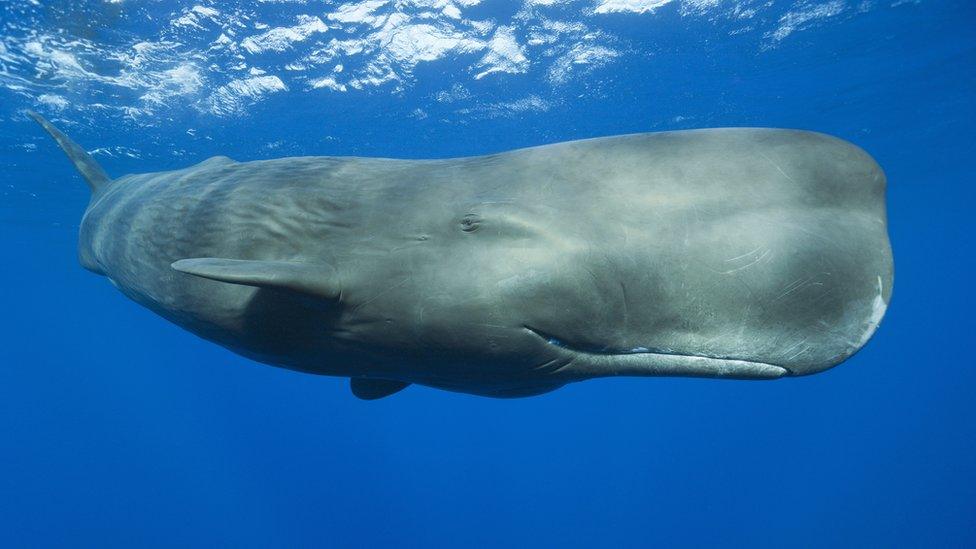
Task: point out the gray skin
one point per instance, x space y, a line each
734 253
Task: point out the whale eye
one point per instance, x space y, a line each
470 222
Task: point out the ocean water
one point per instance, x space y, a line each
118 429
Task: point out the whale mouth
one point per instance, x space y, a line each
662 361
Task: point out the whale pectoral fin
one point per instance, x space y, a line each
307 278
372 389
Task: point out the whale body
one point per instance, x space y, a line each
742 253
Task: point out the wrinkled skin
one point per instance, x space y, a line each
744 253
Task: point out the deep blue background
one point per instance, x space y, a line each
119 429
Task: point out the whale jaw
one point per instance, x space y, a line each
644 361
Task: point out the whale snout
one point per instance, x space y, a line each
839 341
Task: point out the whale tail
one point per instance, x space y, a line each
86 165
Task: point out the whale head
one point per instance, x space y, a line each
771 260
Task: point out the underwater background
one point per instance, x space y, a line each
118 429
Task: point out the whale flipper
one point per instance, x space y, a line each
314 279
86 165
373 389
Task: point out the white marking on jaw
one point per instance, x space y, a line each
877 312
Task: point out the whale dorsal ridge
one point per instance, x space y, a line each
216 161
372 389
308 278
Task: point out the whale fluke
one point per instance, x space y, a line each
86 165
373 389
307 278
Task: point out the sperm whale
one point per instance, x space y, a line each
744 253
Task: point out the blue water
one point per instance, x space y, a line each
118 429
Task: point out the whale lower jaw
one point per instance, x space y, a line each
647 362
657 364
